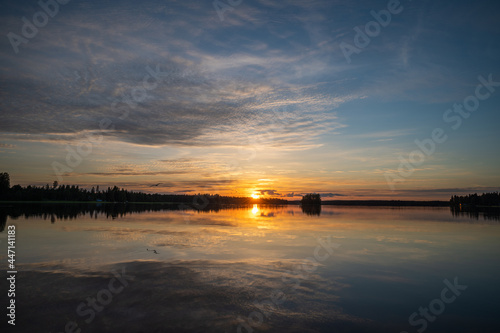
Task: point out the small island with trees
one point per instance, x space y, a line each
311 199
311 204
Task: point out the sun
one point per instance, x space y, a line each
255 196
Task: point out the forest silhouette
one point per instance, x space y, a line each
58 192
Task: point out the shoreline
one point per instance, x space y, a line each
434 203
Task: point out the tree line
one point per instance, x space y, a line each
475 200
56 192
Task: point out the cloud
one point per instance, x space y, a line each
189 164
133 173
415 194
187 109
270 77
331 195
269 192
206 97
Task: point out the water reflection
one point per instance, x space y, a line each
71 211
3 220
311 210
485 213
255 209
216 267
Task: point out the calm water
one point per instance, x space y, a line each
261 269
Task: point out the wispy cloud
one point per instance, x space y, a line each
270 79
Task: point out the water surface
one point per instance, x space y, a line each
257 268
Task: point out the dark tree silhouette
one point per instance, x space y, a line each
4 181
474 200
311 199
114 194
4 185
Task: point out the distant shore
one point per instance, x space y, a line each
434 203
367 203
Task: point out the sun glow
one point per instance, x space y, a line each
255 196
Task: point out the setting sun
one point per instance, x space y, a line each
255 196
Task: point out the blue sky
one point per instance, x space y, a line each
262 101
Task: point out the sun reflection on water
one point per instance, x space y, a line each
255 210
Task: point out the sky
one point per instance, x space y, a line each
349 99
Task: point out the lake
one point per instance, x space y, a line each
118 268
